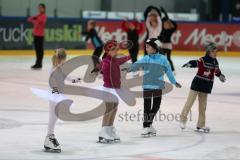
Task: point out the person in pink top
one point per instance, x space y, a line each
152 16
39 22
110 68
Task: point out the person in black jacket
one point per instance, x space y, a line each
133 29
95 39
202 85
168 28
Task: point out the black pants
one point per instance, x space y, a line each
150 110
38 45
134 52
168 54
96 54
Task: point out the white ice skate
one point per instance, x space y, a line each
203 129
153 131
146 132
105 136
51 144
114 134
182 125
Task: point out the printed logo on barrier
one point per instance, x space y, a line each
124 93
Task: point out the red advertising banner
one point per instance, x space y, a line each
189 36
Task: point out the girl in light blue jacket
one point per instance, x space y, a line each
155 65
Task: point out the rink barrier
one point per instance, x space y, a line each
89 52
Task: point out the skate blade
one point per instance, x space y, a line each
149 135
145 135
201 131
182 128
52 150
153 134
104 141
117 140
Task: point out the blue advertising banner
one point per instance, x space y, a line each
16 33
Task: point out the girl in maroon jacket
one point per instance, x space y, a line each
110 68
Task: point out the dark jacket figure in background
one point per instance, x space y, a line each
97 43
202 85
133 29
168 28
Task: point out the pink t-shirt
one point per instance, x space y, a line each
154 32
110 68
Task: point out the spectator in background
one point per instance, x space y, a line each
92 34
133 29
152 16
168 28
39 22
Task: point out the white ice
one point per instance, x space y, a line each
24 116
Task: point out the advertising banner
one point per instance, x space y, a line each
16 33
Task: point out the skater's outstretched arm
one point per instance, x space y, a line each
87 34
164 12
37 20
123 59
159 24
169 71
219 74
138 64
159 27
191 64
149 9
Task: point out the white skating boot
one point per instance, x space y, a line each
182 125
203 129
105 136
146 131
114 134
153 131
51 144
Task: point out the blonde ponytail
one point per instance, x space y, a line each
58 57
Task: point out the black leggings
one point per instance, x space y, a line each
134 53
151 110
96 54
38 45
168 54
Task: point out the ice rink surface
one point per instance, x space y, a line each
24 117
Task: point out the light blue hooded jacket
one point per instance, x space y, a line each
154 66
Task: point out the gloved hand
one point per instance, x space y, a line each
178 85
187 65
222 78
